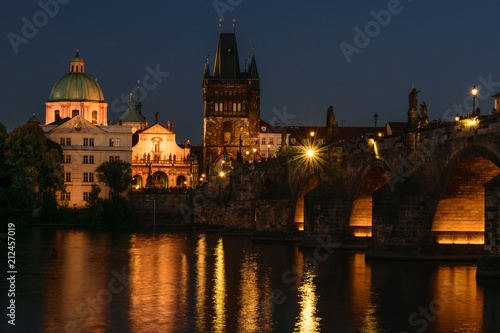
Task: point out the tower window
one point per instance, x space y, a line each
57 115
74 113
227 130
94 117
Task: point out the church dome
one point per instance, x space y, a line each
76 85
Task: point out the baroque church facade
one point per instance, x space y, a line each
76 118
231 100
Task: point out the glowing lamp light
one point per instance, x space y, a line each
254 150
221 174
201 179
312 133
268 146
457 118
247 152
310 153
474 91
203 175
380 134
473 121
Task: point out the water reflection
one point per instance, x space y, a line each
249 294
76 284
308 321
157 286
219 297
456 299
201 277
363 298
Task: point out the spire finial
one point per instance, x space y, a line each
77 52
234 25
253 49
138 87
220 25
130 98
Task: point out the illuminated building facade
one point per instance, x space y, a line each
75 117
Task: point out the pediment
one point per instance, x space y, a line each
78 124
156 129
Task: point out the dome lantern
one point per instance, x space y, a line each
77 65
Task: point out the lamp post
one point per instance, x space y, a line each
474 93
254 150
375 118
268 151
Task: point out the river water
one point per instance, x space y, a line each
178 282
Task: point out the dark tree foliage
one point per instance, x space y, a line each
117 175
30 163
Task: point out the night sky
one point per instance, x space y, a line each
442 47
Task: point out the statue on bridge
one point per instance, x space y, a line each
332 127
283 142
412 98
424 119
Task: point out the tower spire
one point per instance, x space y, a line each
234 25
220 26
138 104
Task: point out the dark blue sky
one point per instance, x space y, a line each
443 47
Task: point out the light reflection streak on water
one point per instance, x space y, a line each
308 321
249 294
219 296
201 253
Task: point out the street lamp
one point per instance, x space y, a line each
268 151
254 150
474 93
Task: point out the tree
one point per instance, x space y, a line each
33 164
117 175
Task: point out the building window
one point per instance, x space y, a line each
114 142
68 177
94 117
221 107
88 177
67 159
88 159
88 141
263 141
271 141
65 196
85 196
57 115
65 141
74 113
114 158
216 107
227 130
239 107
235 107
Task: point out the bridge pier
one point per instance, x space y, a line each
399 227
489 265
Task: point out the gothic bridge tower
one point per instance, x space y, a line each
231 100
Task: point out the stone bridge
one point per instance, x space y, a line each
430 192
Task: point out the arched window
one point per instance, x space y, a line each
57 115
227 131
94 117
181 181
74 113
72 68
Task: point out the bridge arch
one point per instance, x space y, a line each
458 203
307 185
359 205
